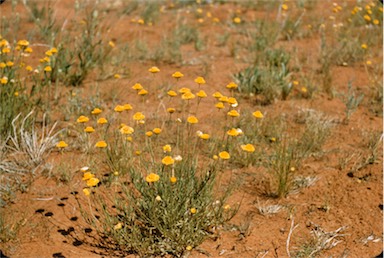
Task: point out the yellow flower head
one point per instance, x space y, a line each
142 92
61 144
149 133
237 20
304 89
29 68
177 75
111 44
156 130
188 95
219 105
232 101
200 80
89 129
101 144
204 136
223 99
201 94
193 210
48 53
233 132
96 111
152 178
168 160
167 148
102 120
10 63
171 110
284 7
48 69
172 93
87 176
364 46
126 130
127 107
138 116
232 86
118 226
217 95
224 155
192 120
154 69
82 119
92 182
248 147
233 113
137 86
23 43
86 191
184 90
117 76
258 114
119 108
4 80
173 179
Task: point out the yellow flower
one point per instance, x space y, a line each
117 76
192 120
233 132
304 90
367 18
23 43
89 129
82 119
201 94
258 114
92 182
96 111
219 105
86 191
172 93
215 157
127 107
369 62
177 75
129 138
126 130
364 46
140 21
101 144
137 153
149 133
138 116
237 20
6 50
142 92
152 178
232 85
224 155
171 110
156 130
87 176
217 95
295 83
154 69
233 113
48 53
200 80
118 226
168 160
223 99
188 248
119 108
61 144
48 69
193 210
204 136
9 63
111 44
284 7
4 80
184 90
102 120
28 50
158 198
137 86
272 139
376 21
188 95
16 93
167 148
54 50
232 101
248 147
173 179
